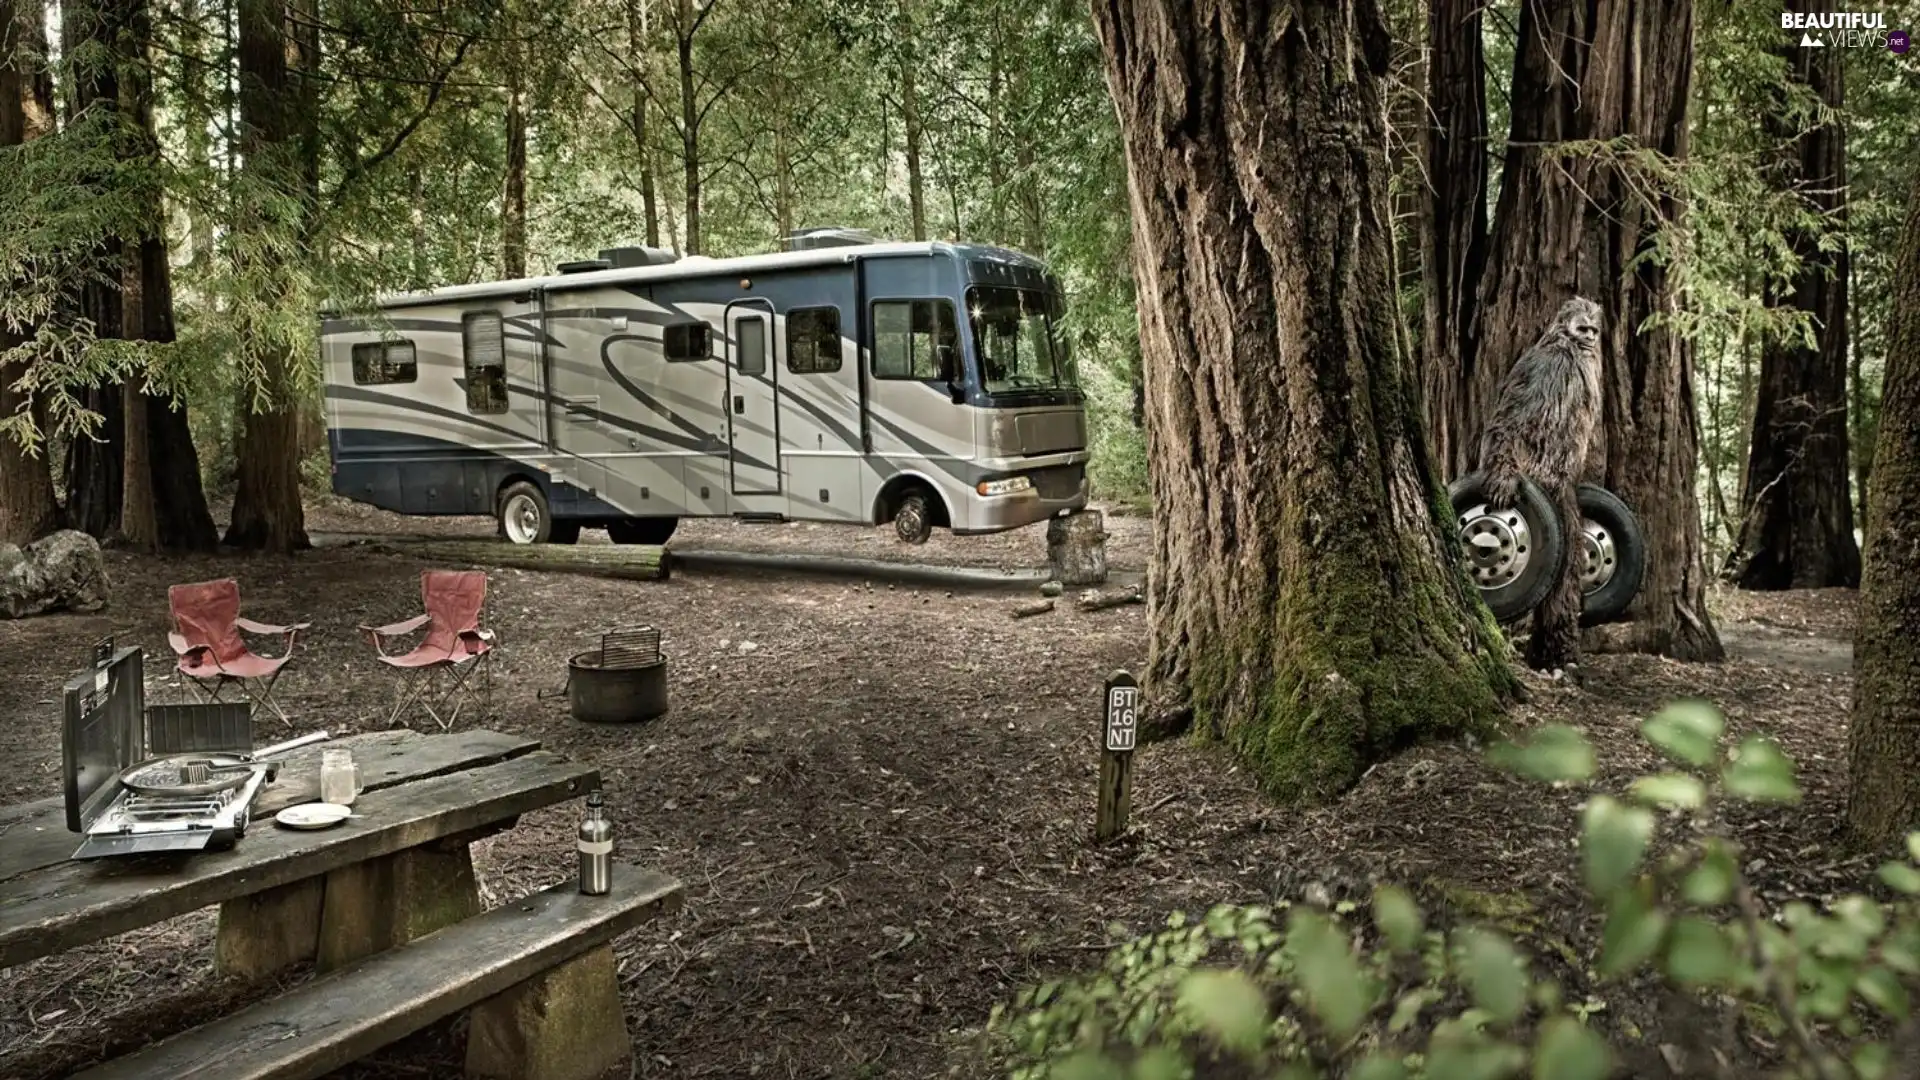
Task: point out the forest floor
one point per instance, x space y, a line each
880 800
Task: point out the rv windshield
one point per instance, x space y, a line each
1020 340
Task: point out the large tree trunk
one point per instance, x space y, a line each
637 56
910 119
27 506
1883 752
689 125
1572 225
1796 513
513 202
1453 246
274 144
1306 597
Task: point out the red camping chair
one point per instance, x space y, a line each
206 639
454 645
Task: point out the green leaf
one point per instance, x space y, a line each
1686 731
1473 1059
1671 789
1614 841
1710 882
1881 989
1760 773
1913 846
1229 1004
1160 1063
1337 991
1633 932
1407 1009
1901 877
1378 1067
1568 1050
1698 953
1398 918
1087 1065
1873 1061
1494 973
1554 752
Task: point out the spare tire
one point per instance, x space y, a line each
1613 555
1513 555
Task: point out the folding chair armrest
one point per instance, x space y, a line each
378 635
252 627
180 647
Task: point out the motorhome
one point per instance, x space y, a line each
844 380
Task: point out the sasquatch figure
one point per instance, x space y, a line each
1542 424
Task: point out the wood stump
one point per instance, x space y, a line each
1077 548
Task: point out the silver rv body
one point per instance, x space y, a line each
831 383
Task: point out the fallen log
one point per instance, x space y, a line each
632 562
1097 601
1034 607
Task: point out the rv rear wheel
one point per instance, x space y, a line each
648 530
525 517
913 519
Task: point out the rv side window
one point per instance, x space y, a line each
915 339
813 340
687 341
378 362
484 342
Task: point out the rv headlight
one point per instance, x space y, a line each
1011 485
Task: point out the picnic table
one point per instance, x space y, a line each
386 906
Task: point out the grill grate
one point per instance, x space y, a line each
634 647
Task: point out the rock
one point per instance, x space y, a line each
60 572
1052 588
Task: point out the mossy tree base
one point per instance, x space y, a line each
1306 598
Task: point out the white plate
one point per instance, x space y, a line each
313 815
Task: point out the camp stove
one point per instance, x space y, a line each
195 794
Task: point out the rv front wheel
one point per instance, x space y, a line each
524 515
913 521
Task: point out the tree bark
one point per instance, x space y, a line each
1883 795
276 57
27 507
910 119
513 202
1576 225
637 56
1453 246
1796 511
689 124
1306 597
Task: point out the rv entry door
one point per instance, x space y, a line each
753 424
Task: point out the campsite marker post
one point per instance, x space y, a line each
1118 729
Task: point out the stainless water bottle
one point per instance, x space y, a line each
596 849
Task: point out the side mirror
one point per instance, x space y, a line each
956 391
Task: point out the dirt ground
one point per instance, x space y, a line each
880 800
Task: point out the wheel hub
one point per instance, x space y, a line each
1498 545
522 519
907 521
1599 559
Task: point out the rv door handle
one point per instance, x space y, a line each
739 404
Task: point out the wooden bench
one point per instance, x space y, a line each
538 975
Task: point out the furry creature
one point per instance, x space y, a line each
1549 402
1541 427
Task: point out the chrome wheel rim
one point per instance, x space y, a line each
909 522
521 518
1499 545
1599 558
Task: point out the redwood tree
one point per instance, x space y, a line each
1453 250
27 506
1577 218
1883 752
1306 596
1796 524
279 55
